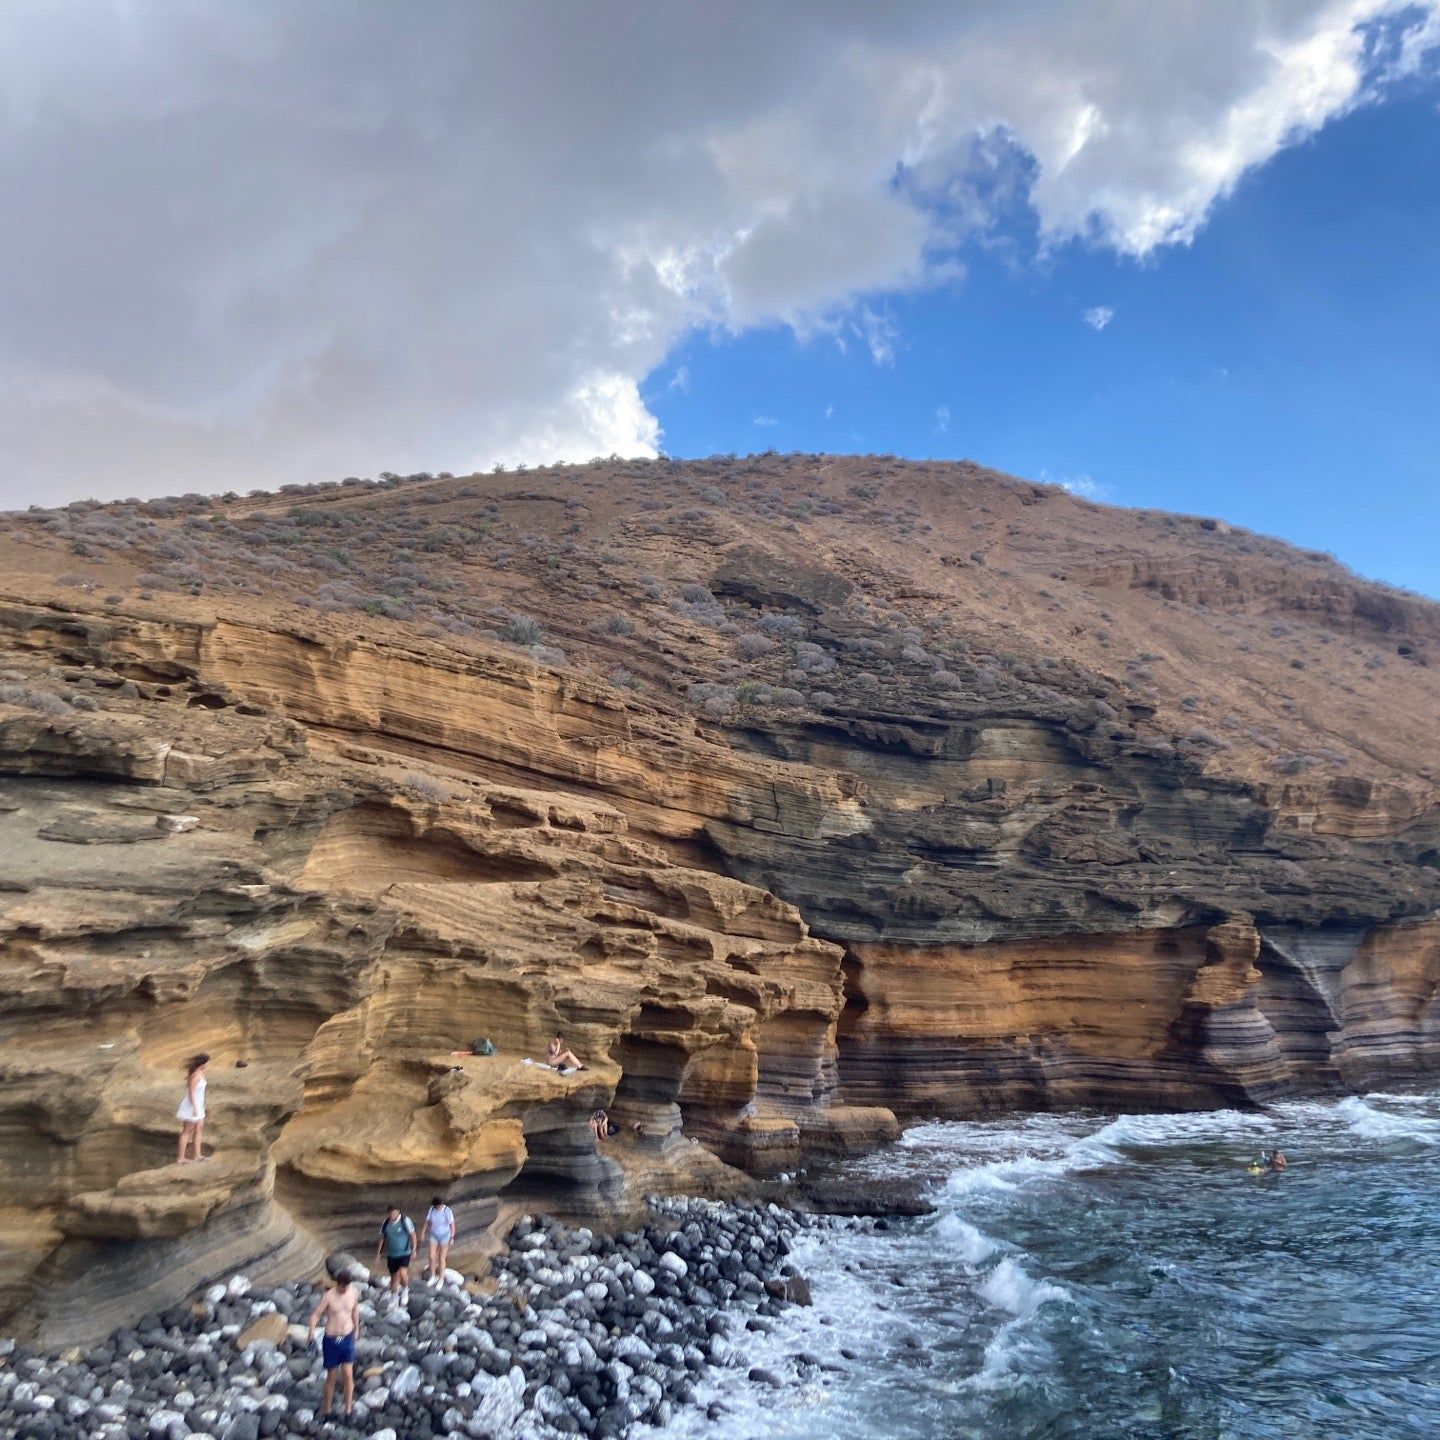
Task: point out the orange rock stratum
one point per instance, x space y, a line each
798 793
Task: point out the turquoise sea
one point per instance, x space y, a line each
1090 1276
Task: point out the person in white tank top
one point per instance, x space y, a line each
191 1113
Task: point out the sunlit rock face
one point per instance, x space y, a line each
333 849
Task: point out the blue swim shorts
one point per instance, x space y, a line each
338 1350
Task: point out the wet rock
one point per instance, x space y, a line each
794 1289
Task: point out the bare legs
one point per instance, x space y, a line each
191 1132
348 1373
439 1258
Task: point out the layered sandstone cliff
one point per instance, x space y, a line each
806 826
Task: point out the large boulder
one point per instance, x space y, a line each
342 1262
271 1329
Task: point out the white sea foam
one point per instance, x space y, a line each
1373 1124
1001 1355
1184 1128
1008 1287
973 1246
1387 1097
1012 1174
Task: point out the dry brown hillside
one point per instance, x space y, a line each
817 585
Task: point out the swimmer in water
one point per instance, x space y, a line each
1277 1162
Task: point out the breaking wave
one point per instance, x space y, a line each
1120 1275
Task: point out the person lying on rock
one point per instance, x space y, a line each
191 1113
439 1231
397 1240
340 1307
562 1059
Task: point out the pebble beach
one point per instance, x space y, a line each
574 1333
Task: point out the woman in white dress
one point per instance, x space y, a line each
191 1113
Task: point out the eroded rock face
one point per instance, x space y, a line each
333 856
331 931
1143 1019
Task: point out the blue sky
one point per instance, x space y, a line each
1282 371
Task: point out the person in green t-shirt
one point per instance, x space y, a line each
397 1240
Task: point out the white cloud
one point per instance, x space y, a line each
1098 316
245 245
942 419
765 420
1417 48
829 411
880 334
1083 486
680 380
603 415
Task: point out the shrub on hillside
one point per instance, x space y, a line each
427 787
43 702
811 659
780 625
520 630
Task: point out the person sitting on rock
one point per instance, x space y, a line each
562 1059
397 1240
191 1113
600 1126
439 1231
340 1307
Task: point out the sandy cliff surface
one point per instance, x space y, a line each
798 793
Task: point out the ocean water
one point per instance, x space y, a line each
1093 1276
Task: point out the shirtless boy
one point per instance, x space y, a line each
340 1305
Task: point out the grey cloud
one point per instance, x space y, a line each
249 243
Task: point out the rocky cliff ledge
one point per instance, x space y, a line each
835 821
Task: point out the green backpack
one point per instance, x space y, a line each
482 1047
